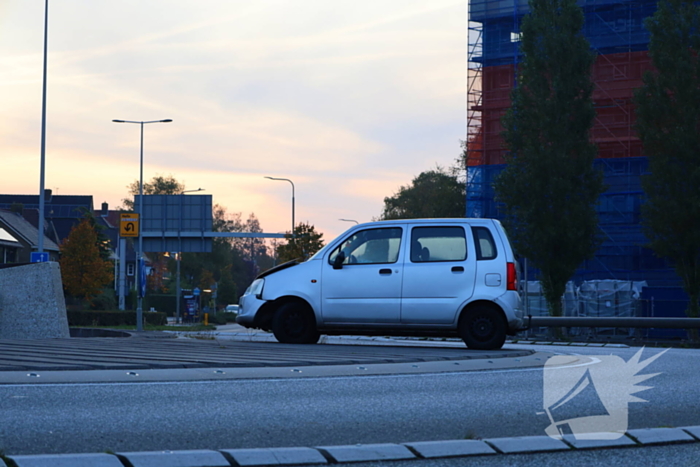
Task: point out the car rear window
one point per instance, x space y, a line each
485 246
433 244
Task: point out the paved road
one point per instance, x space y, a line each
305 410
214 351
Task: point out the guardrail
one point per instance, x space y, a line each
613 322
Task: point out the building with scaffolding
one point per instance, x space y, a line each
616 32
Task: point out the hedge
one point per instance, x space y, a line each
113 318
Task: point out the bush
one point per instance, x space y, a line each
107 300
113 318
218 318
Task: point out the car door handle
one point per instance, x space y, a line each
385 271
457 269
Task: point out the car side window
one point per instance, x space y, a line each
485 246
434 244
371 246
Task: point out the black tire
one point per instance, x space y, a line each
294 323
483 328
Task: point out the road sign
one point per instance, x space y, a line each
36 257
196 292
129 224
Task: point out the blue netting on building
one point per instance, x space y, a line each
610 27
622 255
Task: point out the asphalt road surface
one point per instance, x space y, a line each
314 411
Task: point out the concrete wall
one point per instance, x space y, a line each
32 305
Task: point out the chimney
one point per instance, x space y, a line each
105 209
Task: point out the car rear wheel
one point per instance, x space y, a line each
294 323
483 328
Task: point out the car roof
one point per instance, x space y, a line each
448 220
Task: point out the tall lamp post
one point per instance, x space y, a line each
288 180
179 254
42 195
139 271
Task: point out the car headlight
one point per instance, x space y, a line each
256 288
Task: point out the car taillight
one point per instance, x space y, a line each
512 277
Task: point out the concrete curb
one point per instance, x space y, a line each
359 452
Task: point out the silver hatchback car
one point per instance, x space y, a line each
418 277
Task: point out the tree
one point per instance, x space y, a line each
549 187
432 194
668 124
304 243
159 185
83 271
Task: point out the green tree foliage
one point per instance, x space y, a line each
103 242
305 242
83 271
159 185
227 292
668 123
549 187
432 194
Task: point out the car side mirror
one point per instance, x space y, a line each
338 261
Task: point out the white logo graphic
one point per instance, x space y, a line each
589 401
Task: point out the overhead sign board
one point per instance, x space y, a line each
129 224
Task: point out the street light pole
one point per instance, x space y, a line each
139 271
288 180
42 195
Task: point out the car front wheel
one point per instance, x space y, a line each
483 328
294 323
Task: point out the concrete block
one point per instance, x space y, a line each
67 460
660 435
527 444
274 456
201 458
450 448
692 430
32 305
599 440
367 452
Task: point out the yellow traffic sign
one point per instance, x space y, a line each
129 225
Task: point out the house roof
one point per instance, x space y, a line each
19 228
61 212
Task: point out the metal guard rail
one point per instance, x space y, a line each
612 322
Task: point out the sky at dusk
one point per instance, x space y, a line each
348 99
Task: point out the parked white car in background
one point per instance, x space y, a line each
423 277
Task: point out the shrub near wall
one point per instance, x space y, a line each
161 302
113 318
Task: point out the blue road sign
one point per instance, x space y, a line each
196 291
36 257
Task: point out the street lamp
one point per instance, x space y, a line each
139 306
349 220
288 180
179 254
42 169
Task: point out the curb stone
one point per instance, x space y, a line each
354 453
525 444
660 435
367 452
200 458
692 431
274 456
450 448
622 441
67 460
